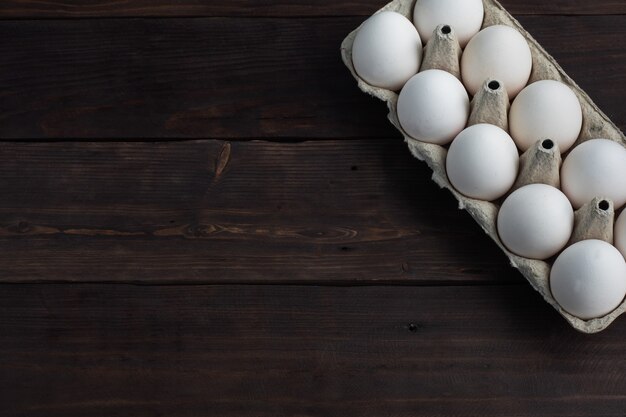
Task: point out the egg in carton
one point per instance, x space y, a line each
540 163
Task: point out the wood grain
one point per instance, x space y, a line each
234 78
119 350
163 8
212 211
378 297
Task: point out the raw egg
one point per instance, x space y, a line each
588 279
433 107
536 221
545 109
497 52
595 168
387 50
482 162
464 16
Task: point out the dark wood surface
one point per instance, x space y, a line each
214 211
201 215
266 8
234 78
248 350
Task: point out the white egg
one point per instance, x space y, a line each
536 221
387 50
433 107
498 52
620 233
595 168
588 279
545 109
464 16
482 162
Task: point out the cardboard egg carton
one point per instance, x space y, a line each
538 164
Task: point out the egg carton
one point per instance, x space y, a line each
540 163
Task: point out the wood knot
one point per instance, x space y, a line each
23 227
222 160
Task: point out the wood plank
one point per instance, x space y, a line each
12 9
213 211
119 350
169 78
233 78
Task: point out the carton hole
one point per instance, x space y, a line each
547 144
603 205
494 85
446 29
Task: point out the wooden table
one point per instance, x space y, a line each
201 215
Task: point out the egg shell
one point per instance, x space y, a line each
545 109
464 16
595 168
620 233
433 107
387 50
588 279
482 162
535 221
498 52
